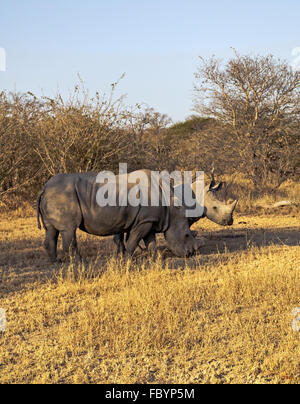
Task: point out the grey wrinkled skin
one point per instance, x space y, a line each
68 202
215 210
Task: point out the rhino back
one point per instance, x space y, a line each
70 200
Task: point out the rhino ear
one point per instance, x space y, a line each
216 187
212 176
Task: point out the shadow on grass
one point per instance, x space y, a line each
24 263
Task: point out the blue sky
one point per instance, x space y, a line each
157 43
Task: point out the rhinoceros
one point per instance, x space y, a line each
214 209
69 201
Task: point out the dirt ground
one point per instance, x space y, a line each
222 316
23 259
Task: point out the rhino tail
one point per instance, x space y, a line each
38 211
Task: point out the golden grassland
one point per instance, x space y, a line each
223 316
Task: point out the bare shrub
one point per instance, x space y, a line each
257 101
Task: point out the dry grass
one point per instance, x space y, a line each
257 201
222 317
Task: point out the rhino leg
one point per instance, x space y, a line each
149 240
119 241
50 243
150 243
136 235
70 243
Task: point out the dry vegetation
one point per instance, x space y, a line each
249 123
221 317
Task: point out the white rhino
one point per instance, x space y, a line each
69 201
214 209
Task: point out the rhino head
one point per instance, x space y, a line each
215 210
179 237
